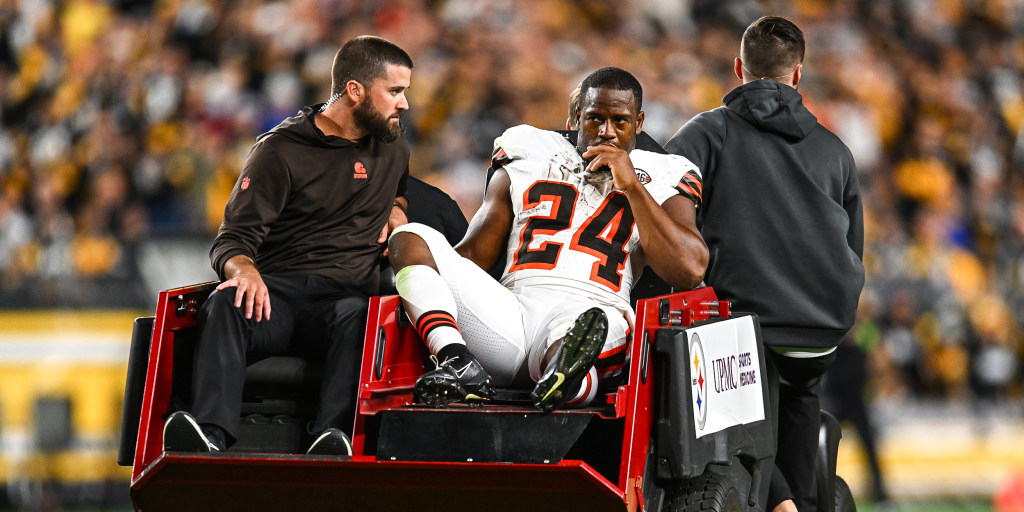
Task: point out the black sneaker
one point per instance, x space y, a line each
183 434
331 442
457 379
579 351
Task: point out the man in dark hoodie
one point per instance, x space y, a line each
304 230
782 219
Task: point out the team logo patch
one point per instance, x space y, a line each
360 171
643 176
245 183
698 382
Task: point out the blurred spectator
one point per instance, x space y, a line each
126 122
846 389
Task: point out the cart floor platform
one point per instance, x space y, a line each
254 482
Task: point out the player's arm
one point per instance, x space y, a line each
488 231
671 241
668 233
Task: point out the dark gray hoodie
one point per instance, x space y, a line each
781 214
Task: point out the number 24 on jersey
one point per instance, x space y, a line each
603 235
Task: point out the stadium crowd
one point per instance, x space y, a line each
126 121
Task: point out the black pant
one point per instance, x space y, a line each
799 416
311 317
844 398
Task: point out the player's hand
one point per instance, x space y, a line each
251 291
616 160
397 218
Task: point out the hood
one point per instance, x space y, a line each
772 107
302 129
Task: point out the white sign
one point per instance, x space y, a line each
725 375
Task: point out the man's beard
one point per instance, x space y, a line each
373 121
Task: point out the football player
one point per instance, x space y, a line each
575 225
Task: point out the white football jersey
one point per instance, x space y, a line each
572 236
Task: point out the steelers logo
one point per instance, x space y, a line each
698 381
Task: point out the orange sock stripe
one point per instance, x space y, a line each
433 314
433 319
585 385
431 327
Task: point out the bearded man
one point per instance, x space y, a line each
304 231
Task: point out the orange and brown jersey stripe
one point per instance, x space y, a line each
499 157
432 320
612 359
611 371
691 186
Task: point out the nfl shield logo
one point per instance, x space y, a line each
245 183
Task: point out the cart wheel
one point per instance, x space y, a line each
844 498
709 492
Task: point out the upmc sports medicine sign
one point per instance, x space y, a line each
725 376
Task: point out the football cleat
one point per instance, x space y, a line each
579 351
331 442
183 434
457 379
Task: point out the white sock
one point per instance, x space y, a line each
587 391
430 306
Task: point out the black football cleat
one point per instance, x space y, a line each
331 442
457 379
579 351
183 434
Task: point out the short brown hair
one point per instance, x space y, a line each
771 47
365 59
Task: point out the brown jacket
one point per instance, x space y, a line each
310 203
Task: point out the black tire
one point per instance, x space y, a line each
844 498
709 492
